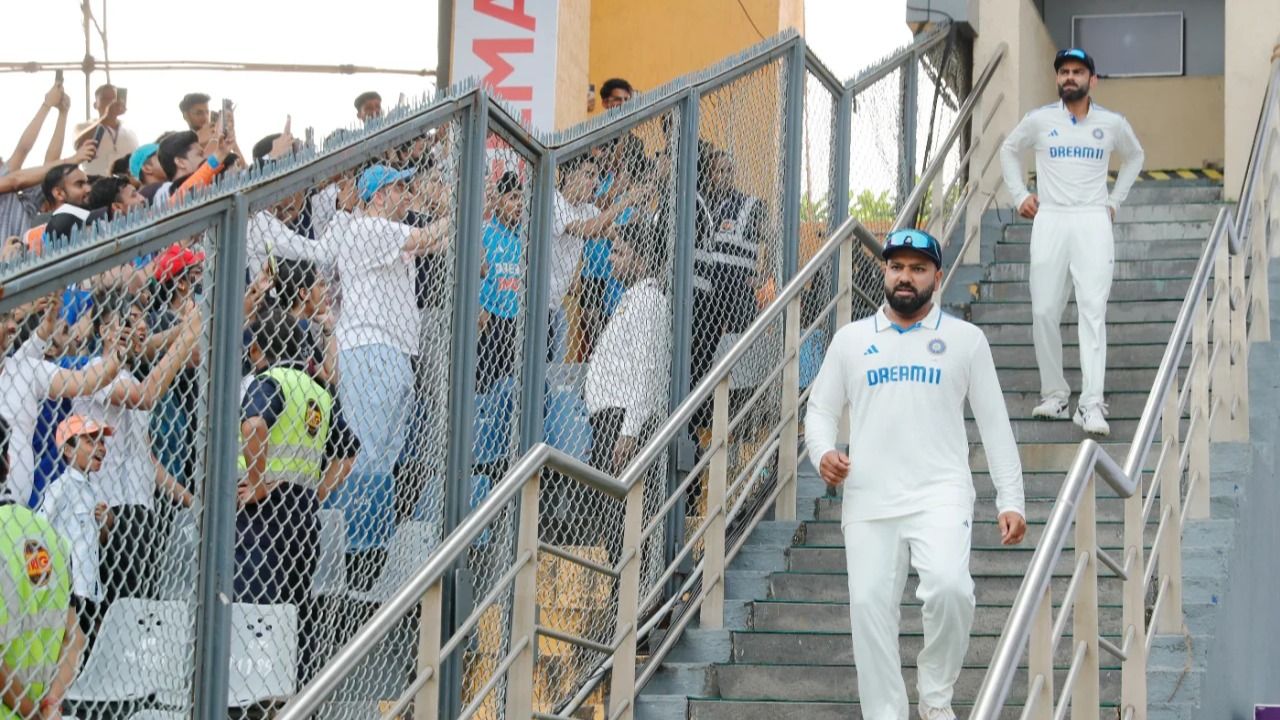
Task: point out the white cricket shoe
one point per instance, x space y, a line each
1052 409
933 713
1093 419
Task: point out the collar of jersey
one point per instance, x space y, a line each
930 321
1063 105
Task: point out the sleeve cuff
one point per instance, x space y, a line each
1010 508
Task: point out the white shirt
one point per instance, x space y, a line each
114 145
25 378
377 280
566 248
266 236
1072 157
906 390
68 505
629 367
128 475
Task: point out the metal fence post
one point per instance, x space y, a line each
462 386
682 300
1133 669
1170 618
1239 404
789 446
622 680
218 524
524 605
1040 659
713 541
907 139
537 295
1085 695
1198 433
792 159
841 158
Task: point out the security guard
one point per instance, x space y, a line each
38 631
286 420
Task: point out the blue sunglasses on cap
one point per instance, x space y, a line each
914 239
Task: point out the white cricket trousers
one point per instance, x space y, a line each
1071 246
936 543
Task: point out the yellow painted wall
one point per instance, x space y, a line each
573 56
1151 104
1251 27
653 42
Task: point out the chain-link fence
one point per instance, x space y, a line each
397 321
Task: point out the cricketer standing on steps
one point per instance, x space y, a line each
904 374
1071 232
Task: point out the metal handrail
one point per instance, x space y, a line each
541 456
1092 458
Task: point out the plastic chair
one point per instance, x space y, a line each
143 648
410 547
331 568
178 558
264 653
153 715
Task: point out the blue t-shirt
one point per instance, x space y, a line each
500 289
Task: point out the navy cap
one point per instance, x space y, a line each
1074 54
910 239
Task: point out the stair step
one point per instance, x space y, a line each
1119 355
813 648
1028 379
1122 403
1058 456
985 558
1121 290
986 533
772 615
1018 332
717 709
1036 431
838 683
1110 509
982 313
1164 194
988 590
1124 270
1125 232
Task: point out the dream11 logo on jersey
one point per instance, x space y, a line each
510 45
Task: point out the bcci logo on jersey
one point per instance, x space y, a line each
904 373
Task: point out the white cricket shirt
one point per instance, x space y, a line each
1072 157
25 378
906 389
68 505
630 366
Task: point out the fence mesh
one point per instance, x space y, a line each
351 355
104 383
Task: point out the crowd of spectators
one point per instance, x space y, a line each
347 338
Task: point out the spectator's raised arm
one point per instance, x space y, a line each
27 140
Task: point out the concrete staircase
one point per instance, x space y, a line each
785 650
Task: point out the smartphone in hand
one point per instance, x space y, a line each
122 97
57 77
98 133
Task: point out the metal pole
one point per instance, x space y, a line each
218 521
842 159
907 161
537 297
444 45
792 162
462 387
686 189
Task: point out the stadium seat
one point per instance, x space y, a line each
410 547
144 647
264 653
153 715
331 569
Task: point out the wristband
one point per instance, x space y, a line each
213 162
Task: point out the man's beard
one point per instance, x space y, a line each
907 305
1078 92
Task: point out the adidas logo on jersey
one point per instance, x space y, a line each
872 350
1053 132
